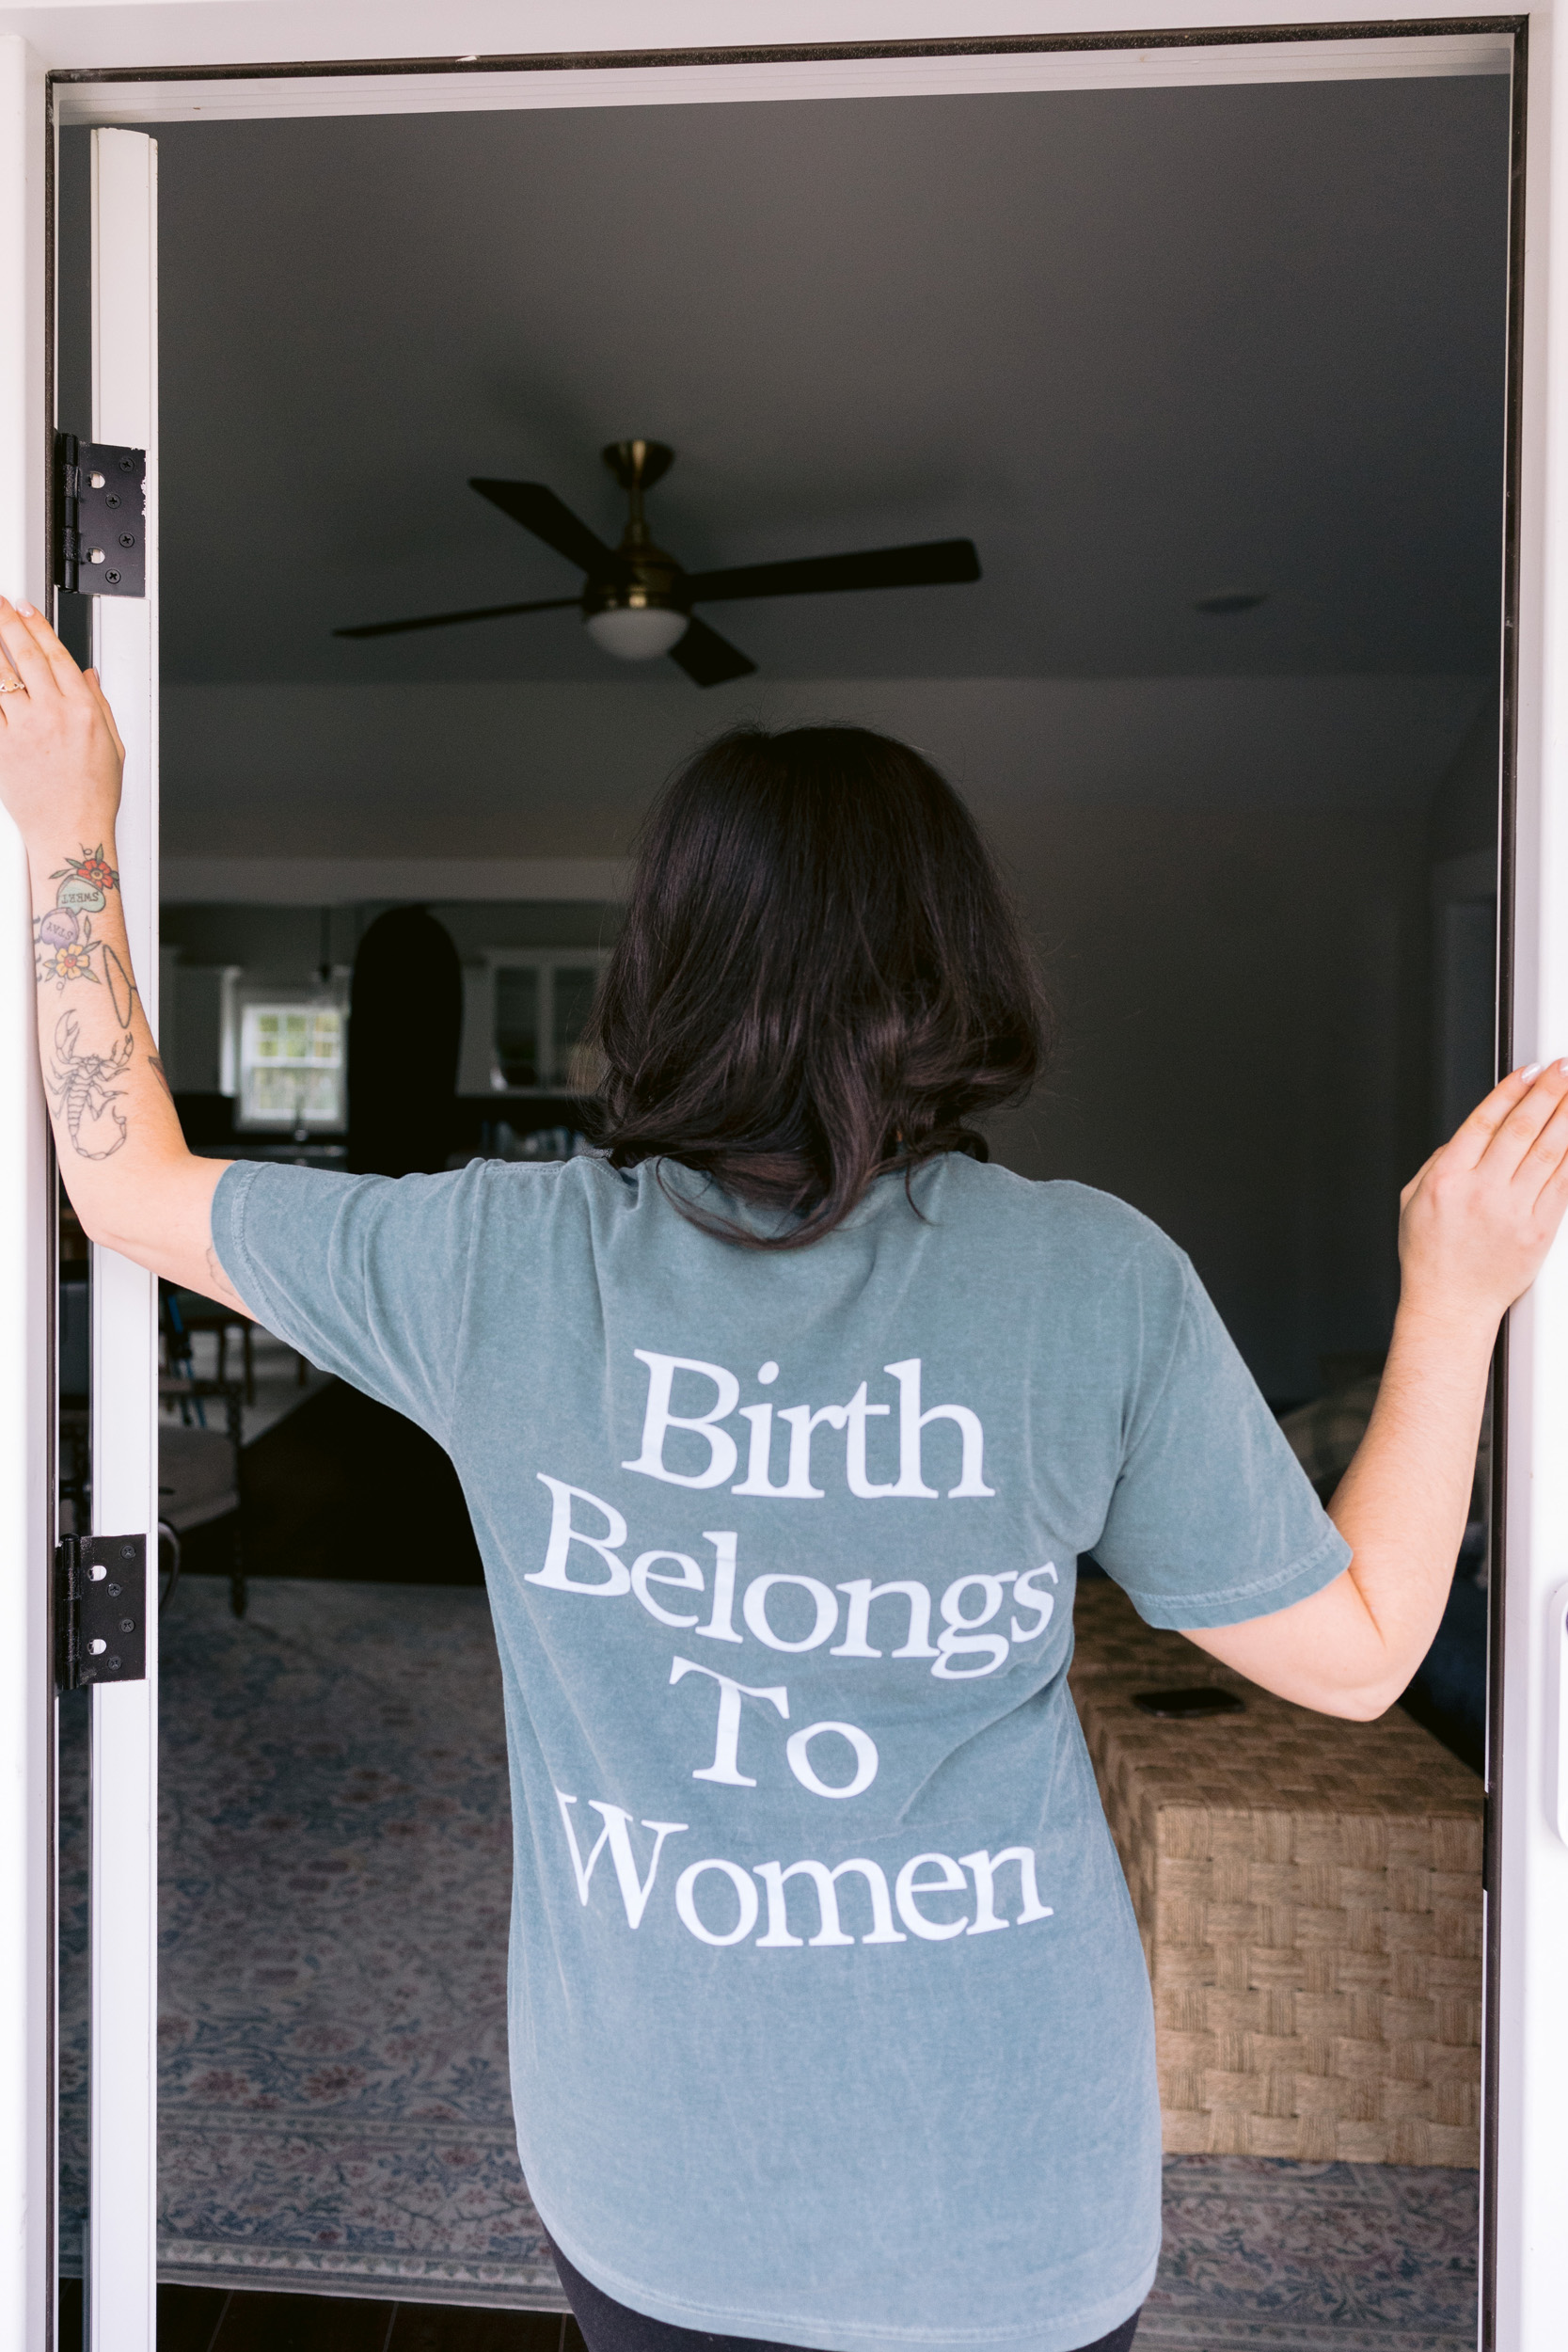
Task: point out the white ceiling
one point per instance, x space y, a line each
1141 346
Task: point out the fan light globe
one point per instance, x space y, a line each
637 632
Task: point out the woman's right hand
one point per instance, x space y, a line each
60 751
1476 1222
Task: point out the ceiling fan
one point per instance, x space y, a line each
636 600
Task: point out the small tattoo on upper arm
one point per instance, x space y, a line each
84 1096
221 1286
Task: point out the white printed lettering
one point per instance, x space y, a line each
796 1752
563 1534
726 1766
720 1626
861 1592
658 1420
615 1832
802 1421
985 1866
907 1887
829 1930
686 1901
911 1420
1026 1590
756 1480
755 1610
960 1639
854 1462
688 1580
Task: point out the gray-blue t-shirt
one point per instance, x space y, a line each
829 2019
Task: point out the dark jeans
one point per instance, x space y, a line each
610 2327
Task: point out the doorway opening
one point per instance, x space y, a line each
1213 380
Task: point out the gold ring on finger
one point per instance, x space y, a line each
11 686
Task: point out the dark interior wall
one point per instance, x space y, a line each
1465 805
287 942
1245 1008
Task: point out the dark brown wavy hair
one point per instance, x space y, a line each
820 977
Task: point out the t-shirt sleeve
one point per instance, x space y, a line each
1213 1519
366 1276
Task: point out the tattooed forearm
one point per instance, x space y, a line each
84 1096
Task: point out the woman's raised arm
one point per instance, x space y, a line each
1475 1225
130 1179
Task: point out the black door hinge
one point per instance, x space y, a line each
99 518
100 1610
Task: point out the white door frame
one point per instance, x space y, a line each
27 1235
155 60
120 2252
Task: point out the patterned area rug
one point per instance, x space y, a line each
1314 2258
334 2105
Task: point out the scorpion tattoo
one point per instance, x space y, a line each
80 1083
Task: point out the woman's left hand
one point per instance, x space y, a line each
1476 1222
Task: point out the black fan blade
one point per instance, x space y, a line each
447 620
540 511
707 658
940 563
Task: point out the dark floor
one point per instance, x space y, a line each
210 2319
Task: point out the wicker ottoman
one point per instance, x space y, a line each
1309 1892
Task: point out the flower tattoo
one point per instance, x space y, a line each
65 946
84 881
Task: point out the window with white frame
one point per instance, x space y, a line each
534 1006
286 1058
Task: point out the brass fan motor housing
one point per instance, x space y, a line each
644 579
